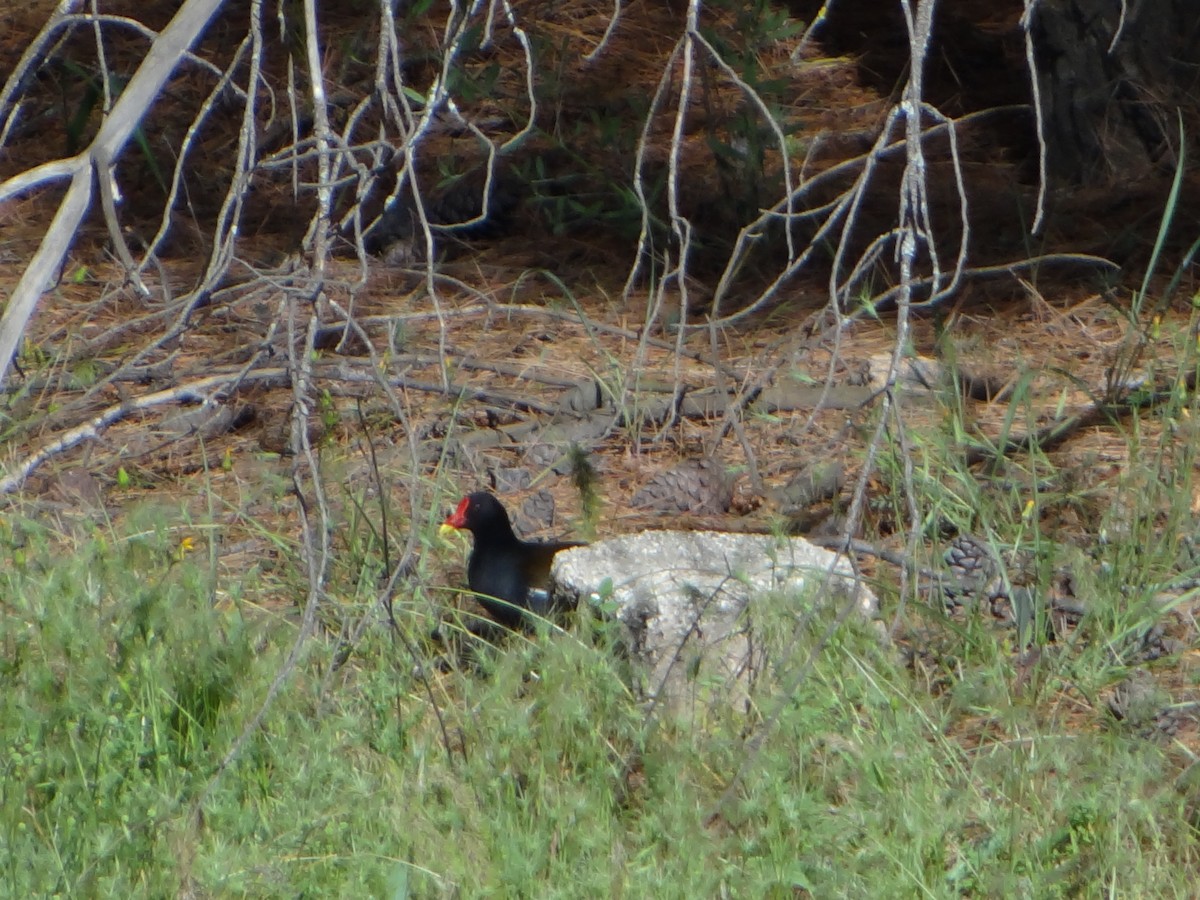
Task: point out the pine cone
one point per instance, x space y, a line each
974 565
691 487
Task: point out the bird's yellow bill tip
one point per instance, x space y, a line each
446 530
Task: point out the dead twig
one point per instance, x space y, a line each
204 390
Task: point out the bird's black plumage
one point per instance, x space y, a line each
509 575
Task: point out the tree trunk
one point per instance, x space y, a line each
1108 84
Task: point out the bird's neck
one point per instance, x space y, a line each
502 535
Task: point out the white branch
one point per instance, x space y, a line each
114 133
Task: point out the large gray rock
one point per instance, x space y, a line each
686 601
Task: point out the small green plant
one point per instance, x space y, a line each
330 417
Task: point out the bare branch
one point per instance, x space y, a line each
114 133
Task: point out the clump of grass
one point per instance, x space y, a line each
126 689
1030 782
119 678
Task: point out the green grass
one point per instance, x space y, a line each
124 689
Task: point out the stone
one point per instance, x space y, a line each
685 602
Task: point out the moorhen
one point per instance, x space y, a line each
509 575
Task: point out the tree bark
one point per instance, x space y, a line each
1110 74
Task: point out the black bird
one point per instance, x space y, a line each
509 575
